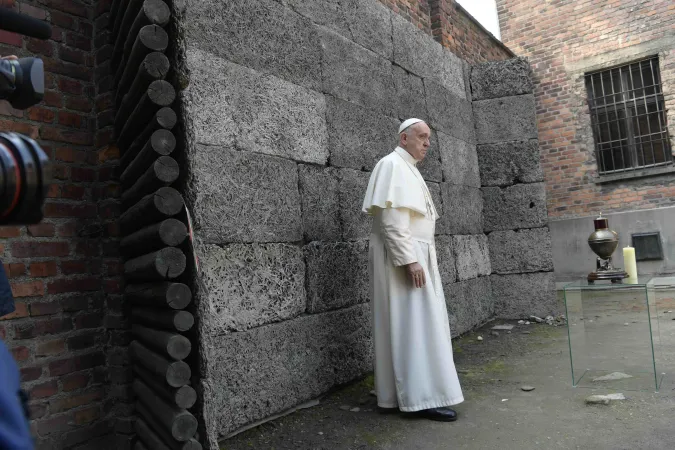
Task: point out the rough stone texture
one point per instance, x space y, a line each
462 210
357 75
254 374
514 207
358 138
446 259
420 54
355 224
435 189
501 79
523 295
262 35
248 285
521 251
459 161
448 112
235 106
472 257
320 203
508 163
337 275
505 119
365 22
470 303
244 197
410 97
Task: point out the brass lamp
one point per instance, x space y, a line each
603 242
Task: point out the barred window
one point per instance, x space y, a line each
628 116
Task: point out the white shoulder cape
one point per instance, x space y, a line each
392 184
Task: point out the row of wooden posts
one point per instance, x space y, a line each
154 236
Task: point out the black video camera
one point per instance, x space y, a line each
25 173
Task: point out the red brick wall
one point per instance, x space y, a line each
453 27
65 271
557 37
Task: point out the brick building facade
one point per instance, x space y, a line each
70 329
570 45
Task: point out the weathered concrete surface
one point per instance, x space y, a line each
262 35
256 194
365 22
462 210
505 119
519 206
420 54
472 257
470 303
435 190
449 112
501 79
508 163
337 275
253 374
459 160
320 203
522 295
248 285
355 224
237 107
358 138
355 74
521 251
446 259
410 98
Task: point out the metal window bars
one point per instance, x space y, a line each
628 117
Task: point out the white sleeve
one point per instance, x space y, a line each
397 237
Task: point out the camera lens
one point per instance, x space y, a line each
25 176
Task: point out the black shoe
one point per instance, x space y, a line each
438 414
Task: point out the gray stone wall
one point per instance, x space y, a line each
514 198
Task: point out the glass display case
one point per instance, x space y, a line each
613 331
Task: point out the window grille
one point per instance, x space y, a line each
628 117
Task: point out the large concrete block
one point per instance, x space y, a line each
446 259
262 34
365 22
410 99
418 53
435 190
508 163
355 223
470 304
358 138
501 79
320 203
254 374
357 75
472 257
243 197
521 251
462 210
228 104
448 112
505 119
522 295
519 206
248 285
459 160
337 275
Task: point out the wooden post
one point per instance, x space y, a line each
152 208
150 38
114 8
119 15
180 423
161 143
167 319
154 66
174 345
164 264
162 172
174 373
130 12
147 435
168 440
160 93
164 118
183 397
167 233
159 295
153 12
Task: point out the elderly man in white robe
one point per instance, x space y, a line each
414 367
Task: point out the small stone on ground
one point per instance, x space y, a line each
503 327
527 388
355 409
603 399
345 407
613 376
480 338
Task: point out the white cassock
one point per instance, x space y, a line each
414 367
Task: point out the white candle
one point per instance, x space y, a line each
629 263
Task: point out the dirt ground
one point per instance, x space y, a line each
496 414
